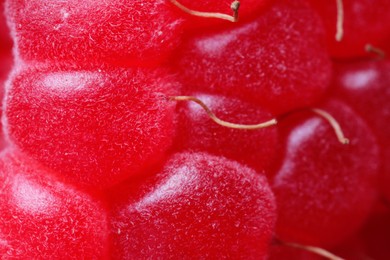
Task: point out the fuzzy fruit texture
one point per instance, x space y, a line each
42 218
94 127
365 86
255 148
247 9
198 206
117 32
364 22
90 102
278 60
321 183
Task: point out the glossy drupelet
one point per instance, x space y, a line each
197 206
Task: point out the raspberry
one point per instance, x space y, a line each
197 206
6 41
320 183
118 116
246 9
376 234
196 131
94 127
117 32
5 63
364 85
278 252
258 61
42 218
363 23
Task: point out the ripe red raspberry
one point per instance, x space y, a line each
278 60
42 218
95 127
120 32
324 189
197 206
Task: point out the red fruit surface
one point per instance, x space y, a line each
376 234
5 38
365 86
5 62
196 131
116 31
198 206
283 252
42 218
248 9
353 248
5 49
324 189
365 22
95 127
277 60
372 241
5 67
